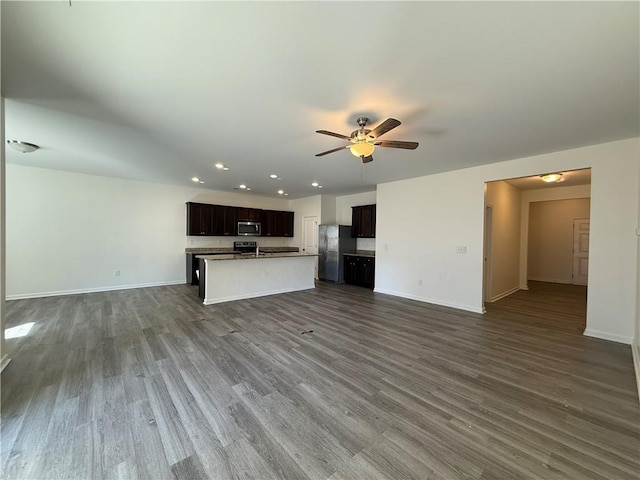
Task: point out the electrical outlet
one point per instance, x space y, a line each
461 249
116 273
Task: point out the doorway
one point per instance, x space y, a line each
310 237
581 251
536 244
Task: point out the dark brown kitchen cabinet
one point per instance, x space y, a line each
363 221
359 270
249 214
204 219
277 223
225 220
219 220
288 224
199 219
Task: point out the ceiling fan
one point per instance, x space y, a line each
364 141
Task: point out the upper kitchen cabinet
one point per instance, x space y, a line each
199 219
363 221
277 223
204 219
225 220
222 220
249 214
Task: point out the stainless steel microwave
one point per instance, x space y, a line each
249 229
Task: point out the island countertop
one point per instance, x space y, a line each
253 256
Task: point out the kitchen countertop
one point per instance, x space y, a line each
230 251
254 257
210 250
362 253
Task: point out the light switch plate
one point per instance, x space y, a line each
462 249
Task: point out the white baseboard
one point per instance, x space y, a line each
468 308
504 294
524 287
635 350
608 336
22 296
4 362
551 280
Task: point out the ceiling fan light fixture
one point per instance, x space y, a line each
551 177
362 149
23 147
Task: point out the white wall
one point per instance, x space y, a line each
451 205
69 232
542 195
636 342
4 353
550 256
328 210
505 200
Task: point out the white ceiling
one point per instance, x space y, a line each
160 91
569 178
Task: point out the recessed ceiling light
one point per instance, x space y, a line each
248 189
242 186
319 186
195 179
225 168
274 175
200 181
219 166
314 184
286 194
281 192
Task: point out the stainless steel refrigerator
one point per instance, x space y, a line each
333 242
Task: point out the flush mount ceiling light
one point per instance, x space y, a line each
275 176
24 147
221 166
280 192
196 180
242 186
551 177
316 185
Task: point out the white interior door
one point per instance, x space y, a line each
310 237
581 251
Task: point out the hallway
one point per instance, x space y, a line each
554 306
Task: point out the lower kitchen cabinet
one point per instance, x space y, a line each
359 270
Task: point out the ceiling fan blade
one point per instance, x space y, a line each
384 127
339 135
367 159
332 150
397 144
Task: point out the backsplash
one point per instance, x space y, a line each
227 242
365 244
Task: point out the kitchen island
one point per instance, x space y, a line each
224 278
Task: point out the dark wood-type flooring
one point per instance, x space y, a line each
336 382
554 306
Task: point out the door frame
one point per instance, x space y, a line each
487 270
